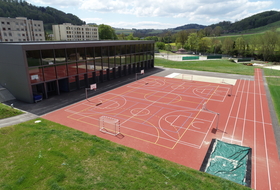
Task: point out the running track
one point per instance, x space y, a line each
165 119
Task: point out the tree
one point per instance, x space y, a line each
204 44
160 45
193 41
208 31
182 37
106 32
268 42
227 46
217 31
240 45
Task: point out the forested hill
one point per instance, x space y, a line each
190 26
50 16
255 21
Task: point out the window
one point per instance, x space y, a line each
4 28
5 34
8 22
23 34
11 40
35 25
16 23
9 28
3 22
10 34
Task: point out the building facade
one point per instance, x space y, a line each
21 29
69 32
50 68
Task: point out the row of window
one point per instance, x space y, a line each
80 37
22 29
19 40
46 73
21 23
72 32
70 55
79 28
10 34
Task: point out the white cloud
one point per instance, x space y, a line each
142 25
92 20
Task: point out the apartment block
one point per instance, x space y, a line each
21 29
69 32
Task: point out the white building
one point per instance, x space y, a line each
21 29
69 32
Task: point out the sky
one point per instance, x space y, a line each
159 14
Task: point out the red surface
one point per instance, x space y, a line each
164 117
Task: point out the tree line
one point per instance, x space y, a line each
49 15
264 46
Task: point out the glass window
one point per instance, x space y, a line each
90 66
111 50
61 70
82 67
81 53
71 55
72 69
104 51
90 53
105 62
98 64
128 59
137 48
97 52
33 58
111 62
128 48
132 48
47 57
123 60
123 50
60 56
36 75
49 73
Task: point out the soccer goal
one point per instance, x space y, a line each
109 125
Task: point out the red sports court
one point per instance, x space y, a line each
174 118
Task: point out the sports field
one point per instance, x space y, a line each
176 117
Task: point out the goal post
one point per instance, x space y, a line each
109 125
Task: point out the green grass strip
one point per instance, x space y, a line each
7 111
221 66
47 155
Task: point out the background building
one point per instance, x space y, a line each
21 29
50 68
69 32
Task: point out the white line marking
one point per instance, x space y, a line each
264 134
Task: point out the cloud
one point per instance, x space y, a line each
142 25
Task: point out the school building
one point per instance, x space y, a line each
50 68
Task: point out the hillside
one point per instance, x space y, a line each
48 15
249 23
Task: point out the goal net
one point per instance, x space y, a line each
109 125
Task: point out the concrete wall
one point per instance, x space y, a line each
13 72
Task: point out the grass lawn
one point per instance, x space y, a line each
47 155
273 80
221 66
7 111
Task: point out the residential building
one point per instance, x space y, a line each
50 68
21 29
69 32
